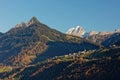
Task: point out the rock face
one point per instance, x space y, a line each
76 31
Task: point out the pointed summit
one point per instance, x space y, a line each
32 21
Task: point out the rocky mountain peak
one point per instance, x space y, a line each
32 21
92 33
22 24
77 31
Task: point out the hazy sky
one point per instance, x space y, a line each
99 15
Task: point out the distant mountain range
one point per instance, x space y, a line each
94 36
79 31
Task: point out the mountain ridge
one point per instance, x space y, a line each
75 30
94 36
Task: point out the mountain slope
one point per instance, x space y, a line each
33 41
98 65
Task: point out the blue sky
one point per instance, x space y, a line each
98 15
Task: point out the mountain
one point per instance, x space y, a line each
31 42
76 31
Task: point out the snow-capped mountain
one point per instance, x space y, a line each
76 31
79 31
94 36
